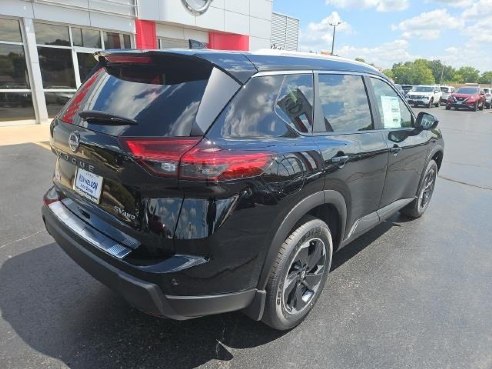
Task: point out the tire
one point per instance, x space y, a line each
482 106
437 104
475 107
300 251
448 107
431 102
418 206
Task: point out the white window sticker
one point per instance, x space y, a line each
391 112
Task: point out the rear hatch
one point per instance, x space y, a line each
119 142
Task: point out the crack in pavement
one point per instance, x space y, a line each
466 184
21 239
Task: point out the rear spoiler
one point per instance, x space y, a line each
235 64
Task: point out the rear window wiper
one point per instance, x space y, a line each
99 117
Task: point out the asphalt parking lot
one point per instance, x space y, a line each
409 294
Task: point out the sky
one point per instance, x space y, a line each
383 32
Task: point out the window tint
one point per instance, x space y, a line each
13 70
86 37
251 113
295 101
394 113
10 30
116 41
56 67
345 104
50 34
163 98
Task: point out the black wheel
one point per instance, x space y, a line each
431 102
437 104
448 107
475 107
298 274
482 106
418 206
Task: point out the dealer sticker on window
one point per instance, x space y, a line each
88 184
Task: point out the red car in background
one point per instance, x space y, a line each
467 97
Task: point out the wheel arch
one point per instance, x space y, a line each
328 205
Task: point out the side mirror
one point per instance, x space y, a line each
426 121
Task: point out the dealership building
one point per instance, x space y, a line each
46 46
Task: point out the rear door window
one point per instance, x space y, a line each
269 106
344 104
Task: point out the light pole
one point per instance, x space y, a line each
334 25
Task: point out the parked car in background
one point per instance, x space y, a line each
199 182
446 91
488 97
406 88
425 95
467 97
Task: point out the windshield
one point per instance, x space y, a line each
423 89
445 89
486 90
467 90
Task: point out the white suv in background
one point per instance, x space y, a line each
488 97
446 91
424 95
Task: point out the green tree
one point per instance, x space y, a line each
469 74
389 73
414 73
486 78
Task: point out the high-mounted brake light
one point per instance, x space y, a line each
193 158
129 59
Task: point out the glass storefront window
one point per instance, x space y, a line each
56 100
56 68
13 69
86 63
10 30
86 37
15 90
16 106
50 34
114 40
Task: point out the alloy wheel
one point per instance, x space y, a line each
427 188
304 276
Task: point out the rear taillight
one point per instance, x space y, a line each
160 156
190 158
207 161
74 104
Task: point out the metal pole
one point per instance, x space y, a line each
333 40
334 25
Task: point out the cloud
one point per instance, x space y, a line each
428 25
380 5
383 56
456 3
318 35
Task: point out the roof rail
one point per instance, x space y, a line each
301 54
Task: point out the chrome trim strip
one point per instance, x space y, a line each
282 72
87 233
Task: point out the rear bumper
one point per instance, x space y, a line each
144 295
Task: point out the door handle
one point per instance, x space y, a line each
340 161
395 150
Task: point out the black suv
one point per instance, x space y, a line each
201 182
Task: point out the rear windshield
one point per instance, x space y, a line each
467 90
161 96
423 89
